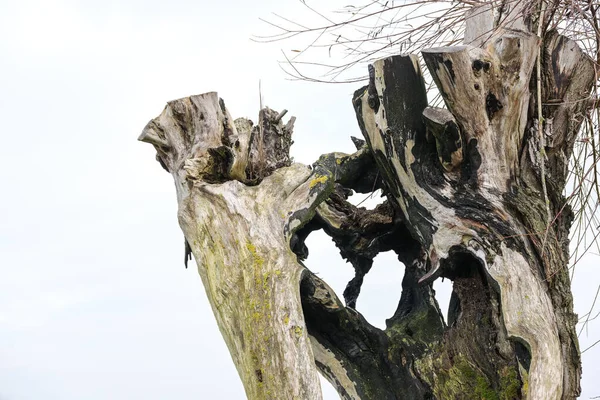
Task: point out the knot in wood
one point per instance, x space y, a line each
478 65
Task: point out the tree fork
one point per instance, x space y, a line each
464 203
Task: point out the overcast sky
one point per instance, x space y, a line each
95 302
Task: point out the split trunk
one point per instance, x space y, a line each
474 195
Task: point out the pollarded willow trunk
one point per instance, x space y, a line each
474 195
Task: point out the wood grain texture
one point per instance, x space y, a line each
465 187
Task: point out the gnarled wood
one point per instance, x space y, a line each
239 236
451 220
442 126
466 189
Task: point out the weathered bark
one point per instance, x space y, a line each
239 235
469 188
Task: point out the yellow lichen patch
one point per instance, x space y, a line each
266 276
286 319
258 260
317 180
298 331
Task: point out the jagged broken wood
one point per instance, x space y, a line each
464 201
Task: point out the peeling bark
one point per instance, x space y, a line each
465 201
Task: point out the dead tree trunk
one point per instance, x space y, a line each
474 195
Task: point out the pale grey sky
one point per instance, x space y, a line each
95 302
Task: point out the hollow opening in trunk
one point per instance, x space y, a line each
324 260
443 295
381 289
367 200
329 392
374 291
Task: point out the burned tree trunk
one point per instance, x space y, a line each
474 195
